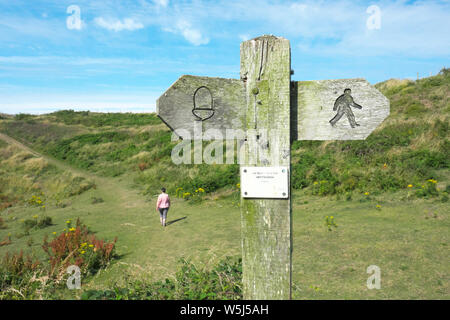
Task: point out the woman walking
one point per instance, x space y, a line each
162 205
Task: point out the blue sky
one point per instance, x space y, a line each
122 55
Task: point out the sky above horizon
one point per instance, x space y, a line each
120 56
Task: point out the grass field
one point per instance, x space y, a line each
408 240
388 196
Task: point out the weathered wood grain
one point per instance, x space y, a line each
315 101
175 106
266 223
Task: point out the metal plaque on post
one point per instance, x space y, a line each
265 182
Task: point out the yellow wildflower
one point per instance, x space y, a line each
366 193
410 185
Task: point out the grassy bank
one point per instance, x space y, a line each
410 147
387 196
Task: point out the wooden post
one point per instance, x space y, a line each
273 112
266 223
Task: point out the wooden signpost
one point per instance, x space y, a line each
272 111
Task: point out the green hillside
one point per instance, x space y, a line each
410 147
388 195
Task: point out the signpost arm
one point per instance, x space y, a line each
266 223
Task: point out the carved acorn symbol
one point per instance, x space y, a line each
203 104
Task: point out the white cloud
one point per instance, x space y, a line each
162 3
117 25
191 34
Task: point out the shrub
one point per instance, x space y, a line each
211 178
24 116
17 265
19 276
324 187
80 247
29 224
428 189
44 222
415 109
223 282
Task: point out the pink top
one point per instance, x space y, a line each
163 201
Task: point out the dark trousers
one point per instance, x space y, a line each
163 212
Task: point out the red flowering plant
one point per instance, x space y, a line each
78 246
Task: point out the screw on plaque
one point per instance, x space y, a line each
203 104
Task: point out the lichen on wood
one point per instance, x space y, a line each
266 223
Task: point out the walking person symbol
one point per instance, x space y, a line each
342 105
